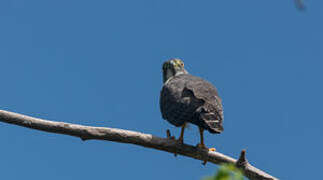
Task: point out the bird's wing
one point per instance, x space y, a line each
202 89
211 112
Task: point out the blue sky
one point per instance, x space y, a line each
99 63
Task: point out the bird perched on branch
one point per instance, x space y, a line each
185 98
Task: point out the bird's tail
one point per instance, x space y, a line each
212 122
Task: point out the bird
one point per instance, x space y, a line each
188 99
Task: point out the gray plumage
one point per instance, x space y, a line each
187 98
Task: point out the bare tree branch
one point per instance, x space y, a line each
132 137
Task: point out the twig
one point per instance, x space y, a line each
132 137
242 161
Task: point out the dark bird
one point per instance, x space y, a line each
185 98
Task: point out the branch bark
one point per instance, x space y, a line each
132 137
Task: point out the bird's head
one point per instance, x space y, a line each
173 67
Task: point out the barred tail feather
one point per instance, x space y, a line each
212 122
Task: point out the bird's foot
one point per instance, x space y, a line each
202 146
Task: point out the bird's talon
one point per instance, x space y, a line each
201 146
